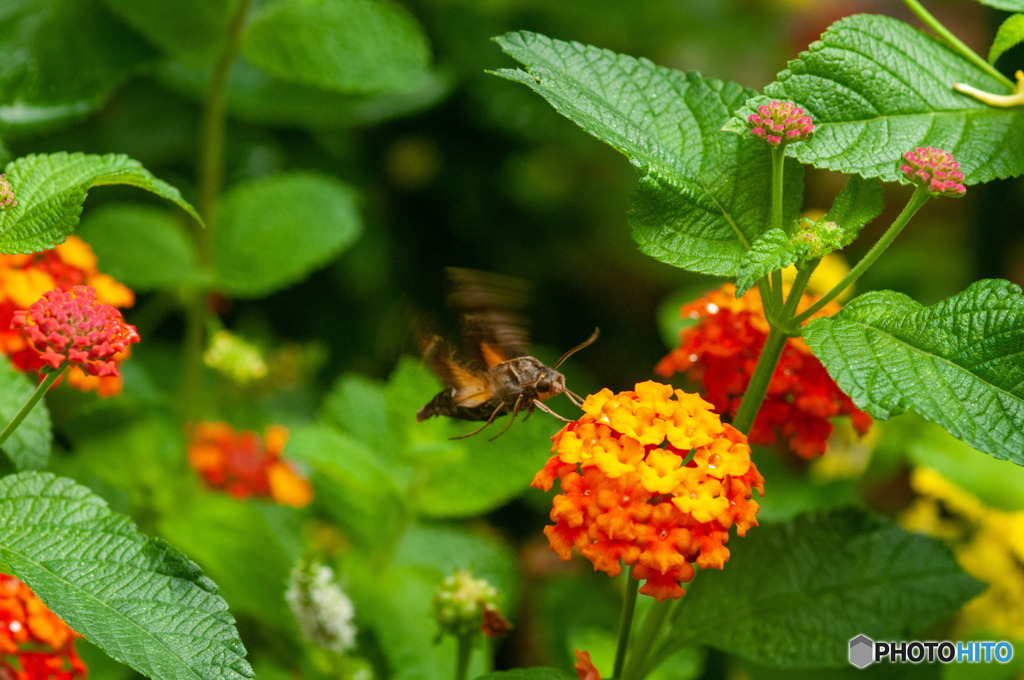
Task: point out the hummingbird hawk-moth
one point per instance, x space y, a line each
497 375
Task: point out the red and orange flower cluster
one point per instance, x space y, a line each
35 644
651 478
721 351
245 465
25 278
73 328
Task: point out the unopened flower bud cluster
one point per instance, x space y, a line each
934 169
7 199
463 603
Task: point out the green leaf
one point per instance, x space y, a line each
350 484
857 204
870 103
446 548
771 252
60 59
194 30
703 193
1010 34
229 537
1008 5
534 673
469 476
991 481
275 230
957 362
143 602
141 246
792 594
51 190
29 446
255 97
343 45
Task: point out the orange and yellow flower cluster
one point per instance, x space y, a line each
244 465
651 478
25 278
35 644
721 351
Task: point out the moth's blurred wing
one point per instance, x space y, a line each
471 387
491 311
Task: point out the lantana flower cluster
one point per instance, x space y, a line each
721 351
25 278
650 478
779 122
35 644
74 328
245 465
934 169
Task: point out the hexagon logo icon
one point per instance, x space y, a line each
862 651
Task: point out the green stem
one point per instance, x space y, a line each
795 294
650 631
954 42
625 623
465 648
211 181
30 404
758 387
919 198
778 172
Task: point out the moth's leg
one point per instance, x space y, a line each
489 421
515 410
539 404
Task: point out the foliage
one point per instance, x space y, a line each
307 171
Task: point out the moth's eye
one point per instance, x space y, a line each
544 385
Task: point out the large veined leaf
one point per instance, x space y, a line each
958 363
51 189
142 601
877 87
276 230
792 595
28 447
343 45
39 82
703 193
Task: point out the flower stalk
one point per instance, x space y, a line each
918 199
30 404
625 623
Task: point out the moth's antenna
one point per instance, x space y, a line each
586 343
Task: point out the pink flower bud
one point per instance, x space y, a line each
934 169
780 122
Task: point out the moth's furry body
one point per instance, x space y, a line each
517 381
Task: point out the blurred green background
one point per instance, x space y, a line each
473 171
